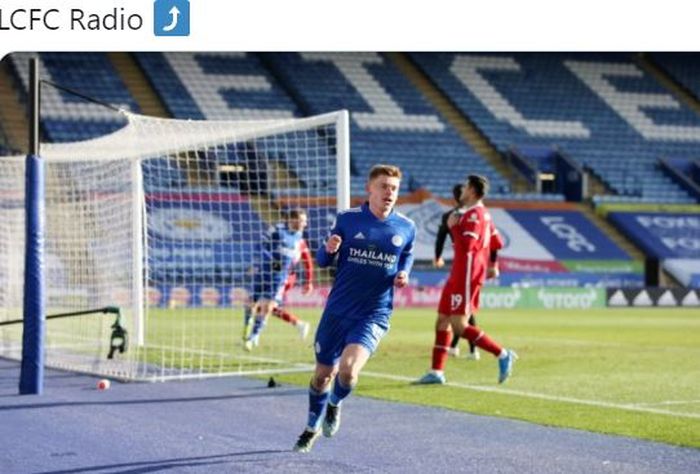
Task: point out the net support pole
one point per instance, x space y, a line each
343 162
138 243
32 369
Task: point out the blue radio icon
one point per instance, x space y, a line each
171 18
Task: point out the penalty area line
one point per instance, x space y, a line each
543 396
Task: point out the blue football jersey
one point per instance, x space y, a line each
281 247
372 252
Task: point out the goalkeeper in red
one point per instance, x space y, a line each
373 247
472 233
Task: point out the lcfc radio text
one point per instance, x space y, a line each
78 19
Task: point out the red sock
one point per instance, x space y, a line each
285 316
480 339
442 342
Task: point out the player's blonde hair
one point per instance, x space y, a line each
384 170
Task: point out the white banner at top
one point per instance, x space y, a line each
362 25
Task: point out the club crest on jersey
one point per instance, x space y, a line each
473 217
397 240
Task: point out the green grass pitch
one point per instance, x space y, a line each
631 372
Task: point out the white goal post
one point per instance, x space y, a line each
163 219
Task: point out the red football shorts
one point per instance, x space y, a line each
459 298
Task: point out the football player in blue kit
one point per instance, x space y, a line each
279 251
373 246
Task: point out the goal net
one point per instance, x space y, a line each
164 219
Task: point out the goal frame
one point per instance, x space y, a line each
111 147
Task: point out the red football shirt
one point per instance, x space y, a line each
472 245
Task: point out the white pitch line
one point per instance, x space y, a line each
230 355
667 402
638 407
592 344
544 396
520 393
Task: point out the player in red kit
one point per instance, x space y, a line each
492 272
472 232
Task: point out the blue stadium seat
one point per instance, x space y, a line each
539 100
162 174
216 86
407 133
66 117
236 86
683 67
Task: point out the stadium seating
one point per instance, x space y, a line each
683 67
686 170
67 117
392 122
216 86
694 172
232 86
515 99
163 174
542 100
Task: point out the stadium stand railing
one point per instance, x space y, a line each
683 172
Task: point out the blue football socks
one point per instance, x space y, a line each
317 405
339 392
